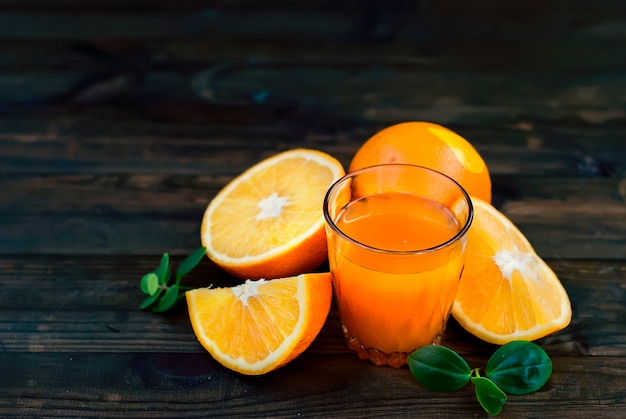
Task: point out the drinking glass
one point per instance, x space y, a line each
396 247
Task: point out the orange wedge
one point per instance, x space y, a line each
507 292
259 326
268 221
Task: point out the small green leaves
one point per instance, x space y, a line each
168 300
160 295
490 397
163 270
439 369
148 301
519 367
190 262
149 283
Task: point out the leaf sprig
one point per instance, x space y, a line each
519 367
161 296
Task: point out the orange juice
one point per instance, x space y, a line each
397 221
398 299
396 250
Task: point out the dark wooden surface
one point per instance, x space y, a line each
119 121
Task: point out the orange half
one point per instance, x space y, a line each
268 221
507 292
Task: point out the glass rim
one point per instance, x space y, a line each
462 232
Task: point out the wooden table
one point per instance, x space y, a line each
119 122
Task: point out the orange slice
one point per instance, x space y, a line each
507 292
268 221
259 326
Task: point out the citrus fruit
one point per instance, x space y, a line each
429 145
268 221
260 325
507 292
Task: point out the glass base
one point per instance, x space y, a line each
379 358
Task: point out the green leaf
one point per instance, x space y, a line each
519 367
152 283
144 282
190 262
438 368
150 300
168 301
490 397
161 271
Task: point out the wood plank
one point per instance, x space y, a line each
50 316
81 234
556 230
480 9
373 94
187 195
56 58
271 25
104 144
315 20
191 385
113 195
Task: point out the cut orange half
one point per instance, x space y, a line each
260 325
507 292
268 221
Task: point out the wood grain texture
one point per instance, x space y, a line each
90 304
192 385
119 121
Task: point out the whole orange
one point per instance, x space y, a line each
429 145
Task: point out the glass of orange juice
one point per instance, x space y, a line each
396 247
